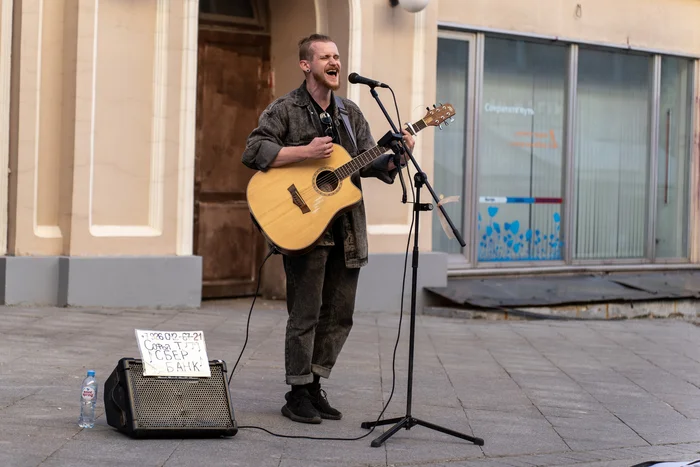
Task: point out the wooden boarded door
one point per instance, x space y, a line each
232 91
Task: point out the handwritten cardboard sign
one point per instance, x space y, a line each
173 353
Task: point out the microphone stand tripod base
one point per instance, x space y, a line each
408 421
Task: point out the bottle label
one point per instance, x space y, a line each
88 393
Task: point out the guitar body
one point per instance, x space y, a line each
295 204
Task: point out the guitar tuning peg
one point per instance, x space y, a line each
452 119
440 104
440 126
447 122
434 106
428 109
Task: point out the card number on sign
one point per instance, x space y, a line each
167 336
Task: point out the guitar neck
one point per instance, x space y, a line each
367 157
416 127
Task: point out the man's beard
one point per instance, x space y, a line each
323 79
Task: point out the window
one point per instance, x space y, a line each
246 14
520 156
675 136
612 154
450 144
582 154
238 8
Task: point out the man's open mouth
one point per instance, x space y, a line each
332 72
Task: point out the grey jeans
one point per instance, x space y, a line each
320 301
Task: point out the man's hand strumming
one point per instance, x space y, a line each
320 148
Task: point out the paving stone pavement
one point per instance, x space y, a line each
540 393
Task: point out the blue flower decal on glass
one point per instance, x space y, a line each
515 227
505 242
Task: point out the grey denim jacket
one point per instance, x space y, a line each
291 121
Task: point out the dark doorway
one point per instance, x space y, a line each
233 88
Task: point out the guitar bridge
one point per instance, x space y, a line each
297 199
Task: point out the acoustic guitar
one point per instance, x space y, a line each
295 204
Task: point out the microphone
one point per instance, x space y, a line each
354 78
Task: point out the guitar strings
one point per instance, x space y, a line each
334 175
331 177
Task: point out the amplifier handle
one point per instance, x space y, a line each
111 395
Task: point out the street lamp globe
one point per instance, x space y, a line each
413 6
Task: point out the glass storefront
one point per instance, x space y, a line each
520 152
674 147
581 155
450 169
611 176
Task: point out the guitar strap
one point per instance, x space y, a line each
346 120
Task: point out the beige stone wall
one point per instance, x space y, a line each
102 127
397 48
290 22
400 48
381 42
100 110
669 25
5 79
37 133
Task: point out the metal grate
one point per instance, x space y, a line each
187 402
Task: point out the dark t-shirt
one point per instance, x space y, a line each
331 111
336 227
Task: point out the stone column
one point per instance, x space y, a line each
103 139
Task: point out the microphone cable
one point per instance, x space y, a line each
398 334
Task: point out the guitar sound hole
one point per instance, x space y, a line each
327 181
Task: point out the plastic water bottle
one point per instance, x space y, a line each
88 398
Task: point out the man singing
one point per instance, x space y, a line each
321 284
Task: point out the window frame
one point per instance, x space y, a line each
651 159
258 22
466 259
692 158
511 265
470 260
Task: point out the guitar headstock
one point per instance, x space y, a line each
439 115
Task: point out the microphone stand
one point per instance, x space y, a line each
408 421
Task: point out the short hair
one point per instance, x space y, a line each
305 45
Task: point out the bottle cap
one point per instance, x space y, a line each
91 373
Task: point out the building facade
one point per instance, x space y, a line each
575 144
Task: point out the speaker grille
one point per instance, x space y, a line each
192 403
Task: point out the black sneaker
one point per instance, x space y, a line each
299 407
320 403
